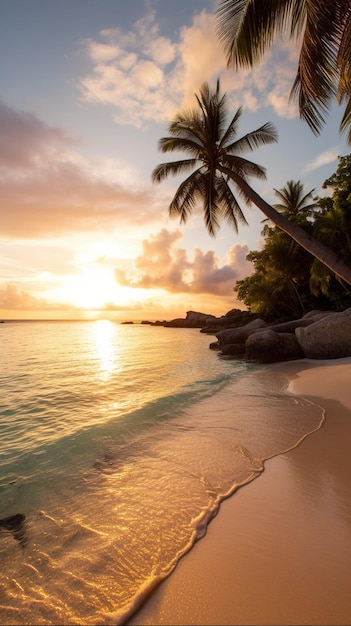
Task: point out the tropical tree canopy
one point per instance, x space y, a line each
247 28
287 280
215 164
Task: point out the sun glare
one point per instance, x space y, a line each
94 289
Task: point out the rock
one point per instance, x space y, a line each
306 320
239 335
327 338
317 315
232 319
267 346
317 335
214 345
192 320
234 349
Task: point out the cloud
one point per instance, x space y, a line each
329 156
25 140
129 72
200 55
13 298
147 77
47 189
163 265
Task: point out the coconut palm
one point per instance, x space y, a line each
247 28
216 162
294 203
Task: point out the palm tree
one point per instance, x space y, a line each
247 28
294 203
215 163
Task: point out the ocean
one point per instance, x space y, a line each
118 444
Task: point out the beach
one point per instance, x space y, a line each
279 551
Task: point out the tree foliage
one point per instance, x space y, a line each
286 280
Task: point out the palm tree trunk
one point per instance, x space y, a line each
296 294
312 245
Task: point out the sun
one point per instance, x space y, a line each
94 289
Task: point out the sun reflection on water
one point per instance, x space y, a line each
104 331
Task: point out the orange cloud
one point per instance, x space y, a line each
163 265
14 299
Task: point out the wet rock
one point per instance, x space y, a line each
16 525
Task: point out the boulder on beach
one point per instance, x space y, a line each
316 335
240 334
327 338
268 346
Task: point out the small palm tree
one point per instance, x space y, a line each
293 202
216 162
247 28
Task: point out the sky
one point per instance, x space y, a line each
87 89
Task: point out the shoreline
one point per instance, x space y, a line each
279 551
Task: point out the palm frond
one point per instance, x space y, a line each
173 168
185 197
231 130
175 144
243 167
344 54
210 203
264 135
185 124
312 113
317 76
229 206
247 28
214 113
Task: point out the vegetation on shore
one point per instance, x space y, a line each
287 281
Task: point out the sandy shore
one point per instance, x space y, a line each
279 552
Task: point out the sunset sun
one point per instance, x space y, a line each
94 289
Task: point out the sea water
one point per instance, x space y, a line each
118 444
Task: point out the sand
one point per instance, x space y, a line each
279 551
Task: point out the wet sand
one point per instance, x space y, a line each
279 551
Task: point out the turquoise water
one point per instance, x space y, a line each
118 443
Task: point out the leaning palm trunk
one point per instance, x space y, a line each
309 243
